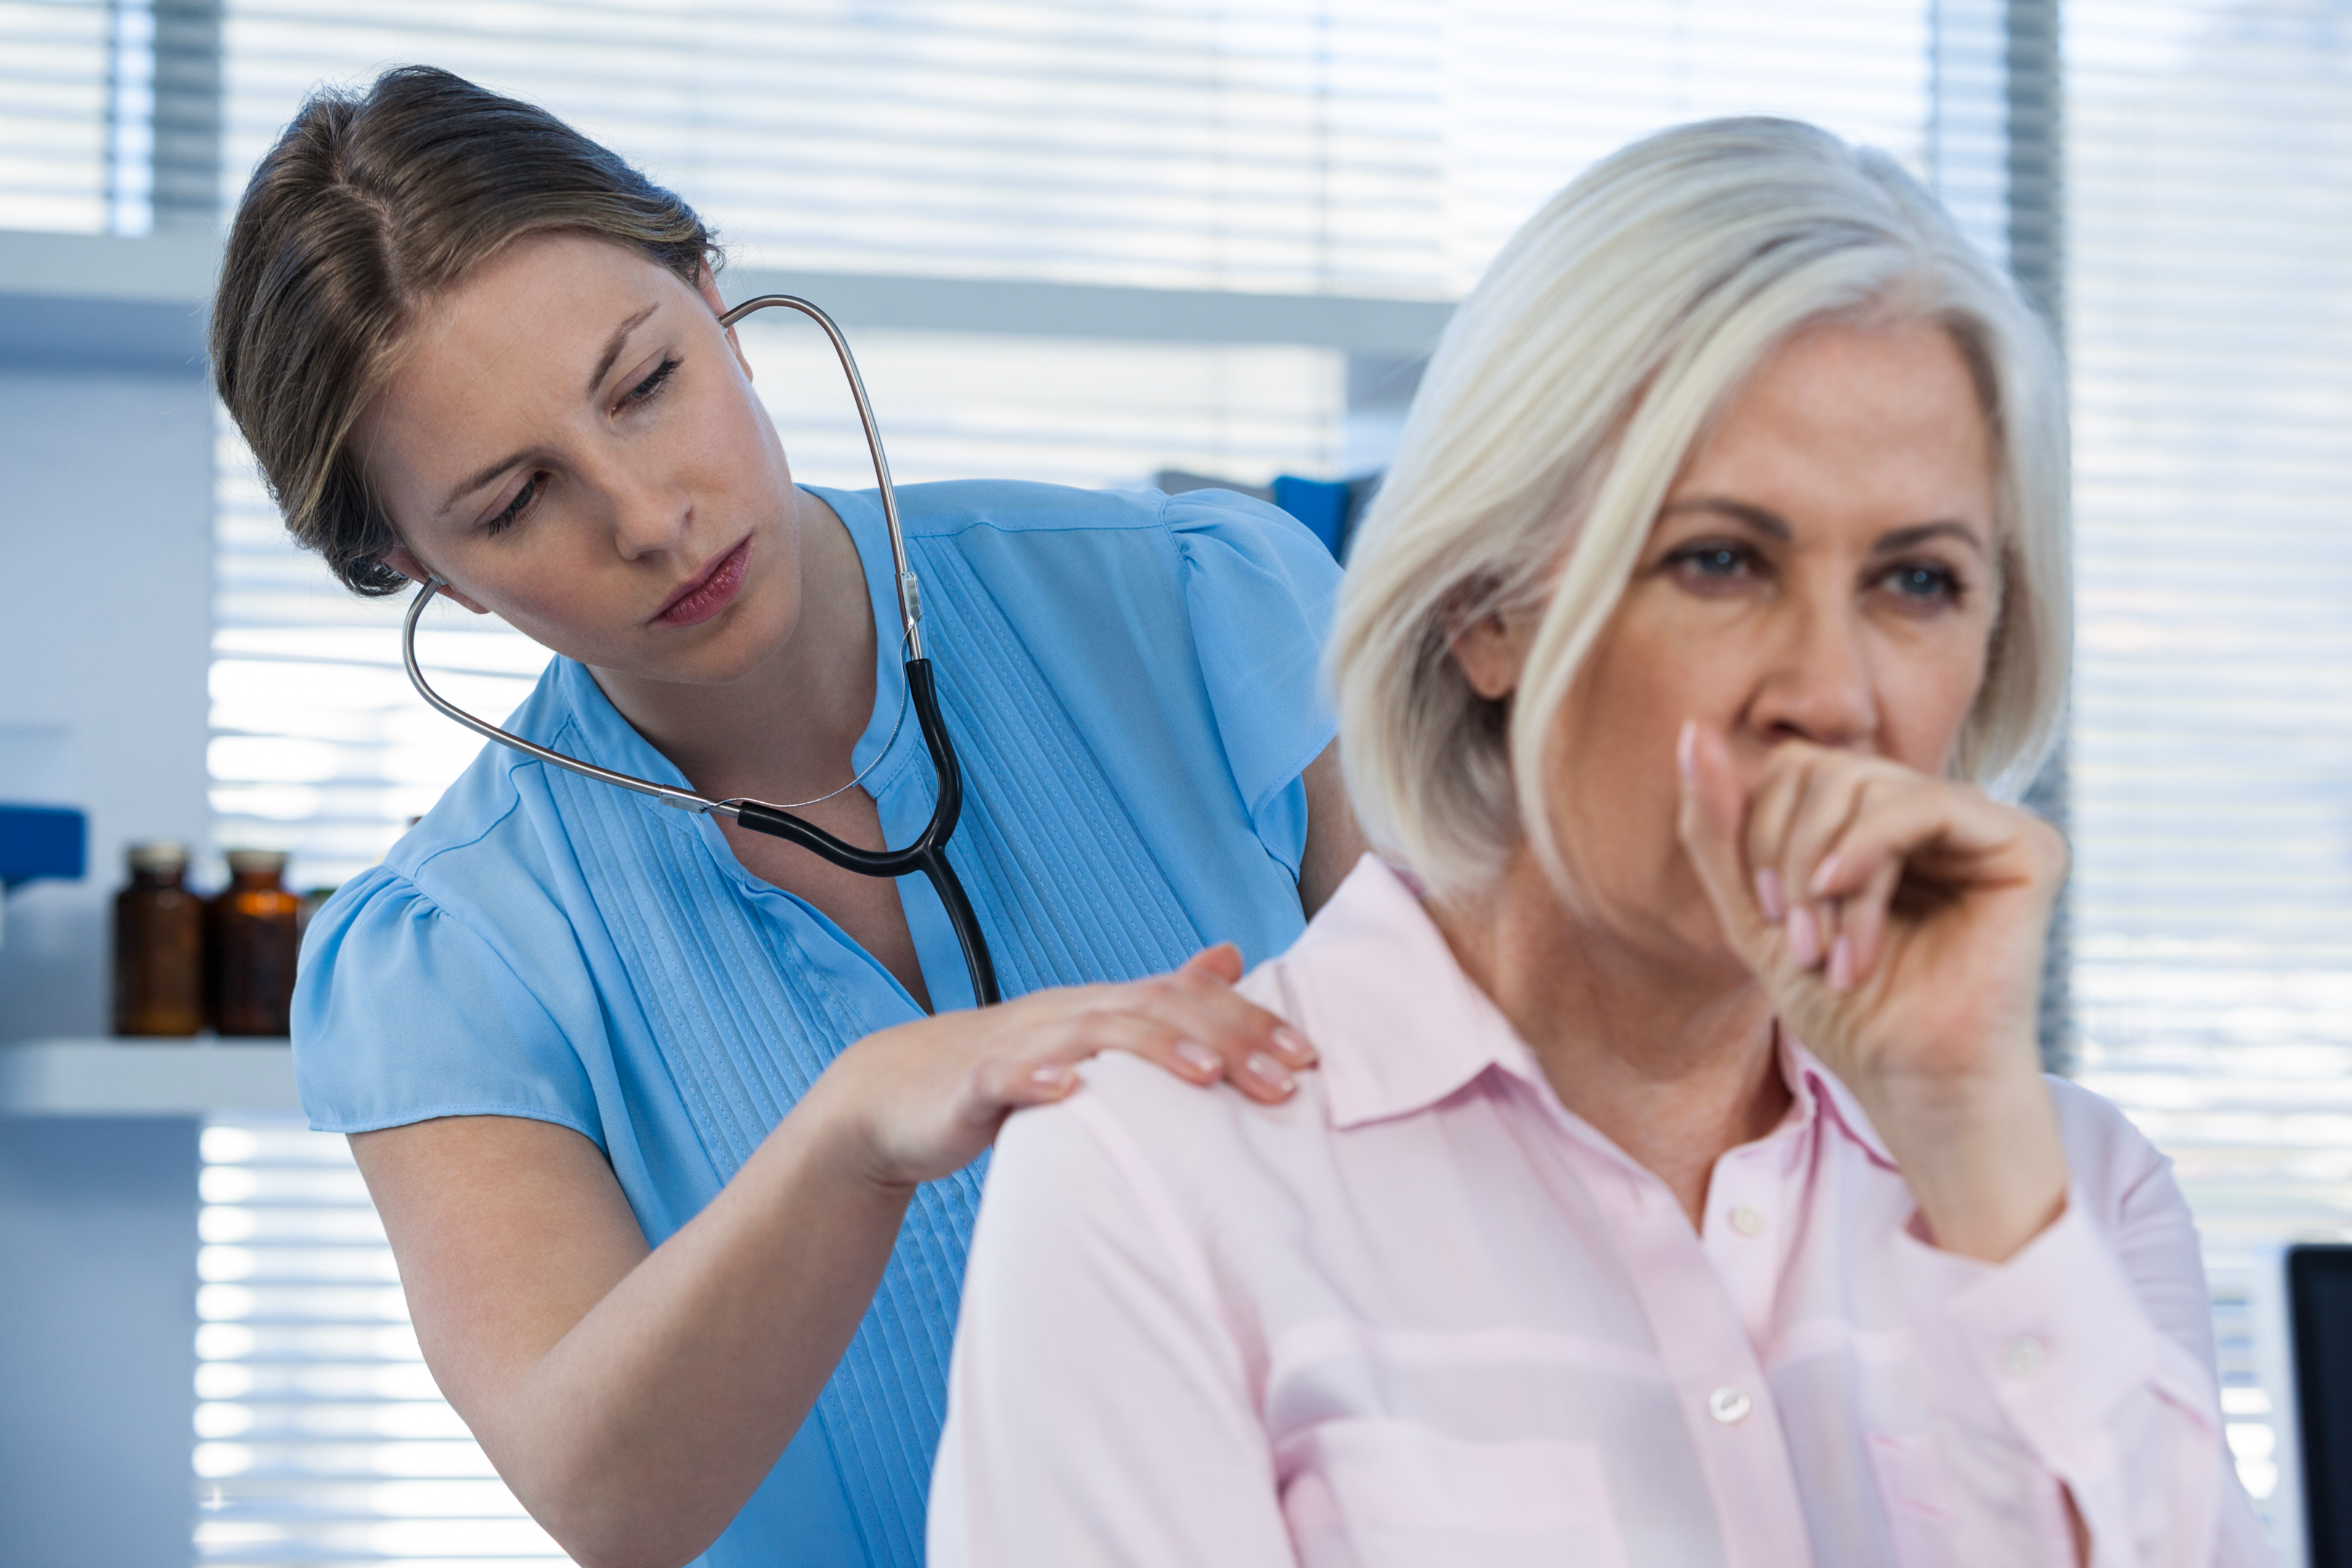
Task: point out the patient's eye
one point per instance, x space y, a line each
1925 584
1712 564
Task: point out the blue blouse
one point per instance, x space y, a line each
1130 682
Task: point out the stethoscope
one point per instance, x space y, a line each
928 852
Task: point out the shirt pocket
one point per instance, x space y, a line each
1374 1492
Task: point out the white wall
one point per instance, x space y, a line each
106 494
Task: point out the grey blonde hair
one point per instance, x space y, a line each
1568 393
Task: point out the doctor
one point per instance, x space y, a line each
672 1126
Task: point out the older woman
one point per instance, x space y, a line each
1680 1186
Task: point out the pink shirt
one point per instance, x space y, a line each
1422 1314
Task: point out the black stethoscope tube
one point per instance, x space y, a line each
928 852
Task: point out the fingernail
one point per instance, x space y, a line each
1824 875
1768 895
1842 963
1290 1044
1268 1071
1686 749
1052 1075
1804 937
1199 1058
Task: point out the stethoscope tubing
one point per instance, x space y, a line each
928 854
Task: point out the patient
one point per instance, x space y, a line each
1680 1186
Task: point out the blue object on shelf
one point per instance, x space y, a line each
1320 504
42 841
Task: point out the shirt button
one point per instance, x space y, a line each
2024 1356
1728 1405
1747 1221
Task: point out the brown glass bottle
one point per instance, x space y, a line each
253 945
159 946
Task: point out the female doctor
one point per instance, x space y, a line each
671 1127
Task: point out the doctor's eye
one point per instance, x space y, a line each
509 514
653 382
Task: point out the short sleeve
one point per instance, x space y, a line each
400 1014
1259 590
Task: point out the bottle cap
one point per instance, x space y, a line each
157 855
243 862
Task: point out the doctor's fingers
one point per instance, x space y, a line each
1199 1003
1024 1076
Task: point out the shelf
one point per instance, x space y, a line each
144 1078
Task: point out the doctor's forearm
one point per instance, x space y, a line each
670 1402
633 1402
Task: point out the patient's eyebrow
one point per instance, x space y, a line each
1920 532
1770 524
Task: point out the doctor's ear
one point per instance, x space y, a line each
706 283
415 570
1490 649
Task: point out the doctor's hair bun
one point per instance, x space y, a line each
370 205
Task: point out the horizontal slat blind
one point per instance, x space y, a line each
320 1439
76 104
2210 304
1284 145
1538 89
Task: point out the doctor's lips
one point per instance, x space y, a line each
708 591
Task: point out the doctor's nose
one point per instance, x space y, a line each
647 517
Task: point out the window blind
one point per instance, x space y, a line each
2209 183
321 1437
76 105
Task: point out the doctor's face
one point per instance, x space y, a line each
1825 568
571 440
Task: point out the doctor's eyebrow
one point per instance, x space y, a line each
612 348
484 475
476 479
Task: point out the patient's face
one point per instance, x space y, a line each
1824 569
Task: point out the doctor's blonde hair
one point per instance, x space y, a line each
1566 395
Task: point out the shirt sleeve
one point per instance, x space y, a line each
1097 1409
2083 1363
400 1014
1260 590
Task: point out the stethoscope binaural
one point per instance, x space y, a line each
928 852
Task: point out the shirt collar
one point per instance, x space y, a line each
1374 971
1817 1089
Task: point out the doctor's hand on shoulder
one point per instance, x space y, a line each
921 1100
1898 921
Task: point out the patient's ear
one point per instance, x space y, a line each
1490 651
